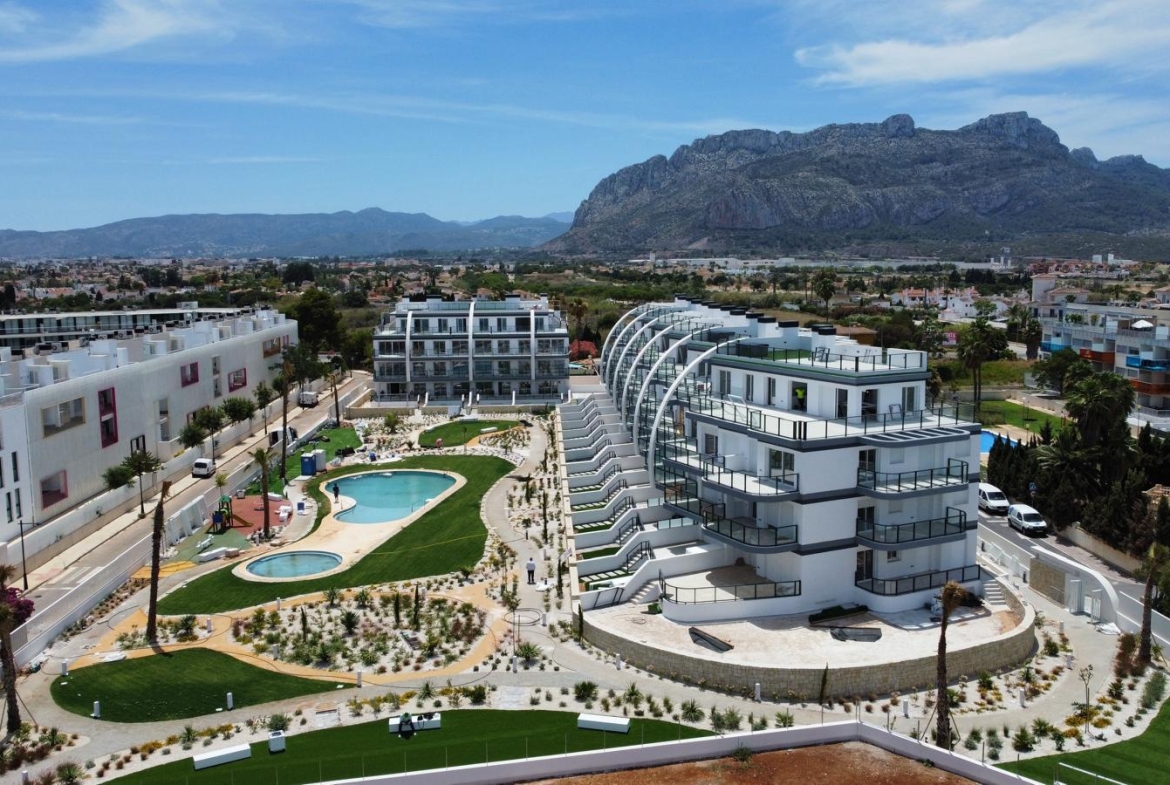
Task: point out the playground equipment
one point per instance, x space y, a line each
222 518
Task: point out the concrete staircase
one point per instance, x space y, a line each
993 593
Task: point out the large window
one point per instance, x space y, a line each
237 379
781 463
63 416
189 374
271 347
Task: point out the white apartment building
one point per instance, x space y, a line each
749 467
19 331
430 350
67 417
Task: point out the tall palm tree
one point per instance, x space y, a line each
285 383
952 595
7 654
1099 403
825 286
1068 456
1156 557
980 342
261 458
156 539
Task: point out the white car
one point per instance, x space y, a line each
203 467
992 499
1026 519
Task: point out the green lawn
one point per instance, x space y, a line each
1137 760
188 683
468 737
598 553
338 438
1005 413
460 431
449 537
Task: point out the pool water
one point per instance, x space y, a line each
987 439
389 496
296 564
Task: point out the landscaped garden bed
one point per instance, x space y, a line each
459 432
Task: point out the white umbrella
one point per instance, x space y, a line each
1141 324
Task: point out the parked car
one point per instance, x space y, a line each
203 467
992 499
1026 519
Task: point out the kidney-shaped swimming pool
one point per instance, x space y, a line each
382 497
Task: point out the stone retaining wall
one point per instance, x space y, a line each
1005 651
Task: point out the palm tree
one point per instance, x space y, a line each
1068 456
285 381
263 395
141 462
261 458
156 539
952 595
825 286
980 342
578 309
1099 403
7 655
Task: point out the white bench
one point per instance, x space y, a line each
603 722
226 755
434 723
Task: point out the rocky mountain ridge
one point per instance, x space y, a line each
1006 177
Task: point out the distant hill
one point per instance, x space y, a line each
370 231
887 187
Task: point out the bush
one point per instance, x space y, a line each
1154 690
1023 741
477 694
278 722
690 712
742 755
584 691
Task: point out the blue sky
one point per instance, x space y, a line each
466 109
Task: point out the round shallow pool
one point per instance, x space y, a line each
296 564
383 497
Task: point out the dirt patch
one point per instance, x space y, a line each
851 763
1008 620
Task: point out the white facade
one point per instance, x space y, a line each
810 467
26 331
431 350
67 417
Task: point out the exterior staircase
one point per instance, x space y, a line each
993 593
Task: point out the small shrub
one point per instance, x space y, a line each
1154 690
742 755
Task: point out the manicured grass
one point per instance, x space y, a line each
461 431
188 683
468 737
338 438
1137 760
447 538
597 554
1006 413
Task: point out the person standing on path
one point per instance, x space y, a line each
531 567
336 492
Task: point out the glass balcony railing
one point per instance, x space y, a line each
955 522
713 471
869 360
799 426
1147 363
752 536
954 473
687 595
920 582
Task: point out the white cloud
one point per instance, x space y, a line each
15 18
967 41
115 26
80 119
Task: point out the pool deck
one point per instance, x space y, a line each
350 541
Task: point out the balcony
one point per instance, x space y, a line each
1150 388
1098 356
889 587
869 360
1147 363
724 585
895 536
798 426
895 483
714 472
764 538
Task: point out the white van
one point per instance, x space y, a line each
203 467
992 499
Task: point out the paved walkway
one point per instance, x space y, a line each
570 663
